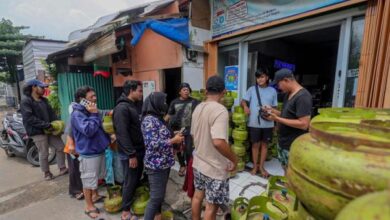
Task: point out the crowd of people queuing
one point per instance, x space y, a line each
149 133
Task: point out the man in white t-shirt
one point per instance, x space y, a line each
213 158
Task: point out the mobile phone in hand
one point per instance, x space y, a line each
85 102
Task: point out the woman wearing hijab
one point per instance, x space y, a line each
159 157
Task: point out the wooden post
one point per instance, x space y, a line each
210 59
374 71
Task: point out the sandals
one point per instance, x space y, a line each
264 174
95 211
130 217
99 199
220 212
63 171
79 196
49 176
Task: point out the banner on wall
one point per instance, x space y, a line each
231 77
147 88
232 15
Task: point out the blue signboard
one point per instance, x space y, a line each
232 15
231 77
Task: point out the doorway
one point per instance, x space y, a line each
312 56
172 80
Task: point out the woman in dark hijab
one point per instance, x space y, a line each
159 158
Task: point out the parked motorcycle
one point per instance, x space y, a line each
15 141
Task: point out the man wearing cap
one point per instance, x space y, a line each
37 115
213 158
179 116
260 129
294 119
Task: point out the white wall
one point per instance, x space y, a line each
192 72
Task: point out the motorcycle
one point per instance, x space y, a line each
15 141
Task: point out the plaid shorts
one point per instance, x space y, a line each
217 191
283 155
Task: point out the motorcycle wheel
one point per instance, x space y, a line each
33 155
9 153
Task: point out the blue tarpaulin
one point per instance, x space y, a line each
175 29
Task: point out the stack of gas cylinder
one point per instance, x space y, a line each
339 170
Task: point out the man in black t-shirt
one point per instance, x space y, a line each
179 116
294 119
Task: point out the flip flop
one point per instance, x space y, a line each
130 217
220 212
265 175
79 196
95 211
99 199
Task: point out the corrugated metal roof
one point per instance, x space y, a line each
155 6
80 38
36 50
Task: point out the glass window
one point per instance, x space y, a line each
227 56
353 62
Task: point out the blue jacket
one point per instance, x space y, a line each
90 139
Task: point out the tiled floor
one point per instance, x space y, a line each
244 178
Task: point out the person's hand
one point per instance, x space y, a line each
269 109
71 149
110 113
113 138
133 162
247 110
179 138
272 116
92 108
232 166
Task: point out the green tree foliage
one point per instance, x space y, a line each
11 46
53 97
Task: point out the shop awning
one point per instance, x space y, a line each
102 47
175 29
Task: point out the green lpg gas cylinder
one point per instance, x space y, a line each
228 100
351 115
239 208
240 135
113 203
338 162
261 207
141 200
108 126
195 94
370 206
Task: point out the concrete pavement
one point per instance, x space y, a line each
25 195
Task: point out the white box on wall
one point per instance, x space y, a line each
147 88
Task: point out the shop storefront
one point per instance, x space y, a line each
322 46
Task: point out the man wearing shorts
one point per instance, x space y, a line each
260 129
91 142
294 119
213 158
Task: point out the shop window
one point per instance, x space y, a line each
227 57
353 62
